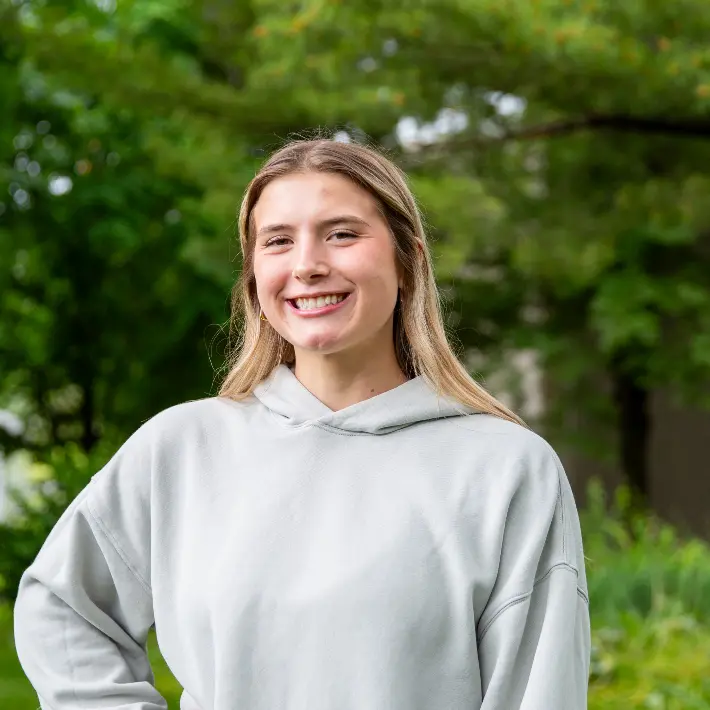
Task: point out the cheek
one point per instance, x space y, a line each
375 270
379 286
268 279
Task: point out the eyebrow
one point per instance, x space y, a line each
339 219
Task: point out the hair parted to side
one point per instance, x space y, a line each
420 340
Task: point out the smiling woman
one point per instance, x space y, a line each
353 523
390 328
331 241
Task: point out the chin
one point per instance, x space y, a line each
328 347
321 344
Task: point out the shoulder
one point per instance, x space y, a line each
191 416
171 432
197 409
505 439
512 456
160 444
526 481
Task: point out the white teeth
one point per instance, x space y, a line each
305 304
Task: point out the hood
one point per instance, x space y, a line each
412 402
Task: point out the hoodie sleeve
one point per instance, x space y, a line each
534 636
84 606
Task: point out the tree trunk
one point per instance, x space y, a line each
87 415
634 426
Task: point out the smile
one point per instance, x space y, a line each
319 306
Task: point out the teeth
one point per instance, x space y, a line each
305 304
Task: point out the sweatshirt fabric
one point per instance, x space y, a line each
403 553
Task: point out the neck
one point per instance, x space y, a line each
341 380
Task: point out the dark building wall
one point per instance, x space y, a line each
679 467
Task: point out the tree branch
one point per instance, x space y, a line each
685 128
682 128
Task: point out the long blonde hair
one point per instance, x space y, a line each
420 340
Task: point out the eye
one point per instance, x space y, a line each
344 234
274 241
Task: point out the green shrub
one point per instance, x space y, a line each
69 470
656 663
650 570
649 593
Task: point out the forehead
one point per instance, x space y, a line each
306 195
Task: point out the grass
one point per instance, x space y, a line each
652 663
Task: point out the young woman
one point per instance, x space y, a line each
352 524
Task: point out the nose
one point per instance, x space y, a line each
310 261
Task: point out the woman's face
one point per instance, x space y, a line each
320 233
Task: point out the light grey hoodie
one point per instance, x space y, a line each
397 554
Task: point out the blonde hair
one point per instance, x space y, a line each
420 340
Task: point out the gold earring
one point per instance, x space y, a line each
262 316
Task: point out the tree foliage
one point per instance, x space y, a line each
557 147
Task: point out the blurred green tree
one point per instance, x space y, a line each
573 136
106 318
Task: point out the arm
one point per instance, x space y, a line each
84 607
534 637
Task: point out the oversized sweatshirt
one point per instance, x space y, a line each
402 553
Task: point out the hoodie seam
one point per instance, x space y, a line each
343 432
518 598
334 430
561 502
113 541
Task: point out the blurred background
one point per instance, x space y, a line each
560 152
